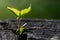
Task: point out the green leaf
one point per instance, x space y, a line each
14 10
21 30
26 10
20 13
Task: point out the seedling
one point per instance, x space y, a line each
18 16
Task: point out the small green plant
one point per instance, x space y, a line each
18 16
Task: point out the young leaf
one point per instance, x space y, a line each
21 30
14 10
26 10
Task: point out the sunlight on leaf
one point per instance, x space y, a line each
26 10
14 10
22 12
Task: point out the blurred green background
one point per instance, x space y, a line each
43 9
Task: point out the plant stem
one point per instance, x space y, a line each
18 21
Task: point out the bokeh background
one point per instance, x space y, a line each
42 9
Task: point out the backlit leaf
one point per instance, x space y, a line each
14 10
26 10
